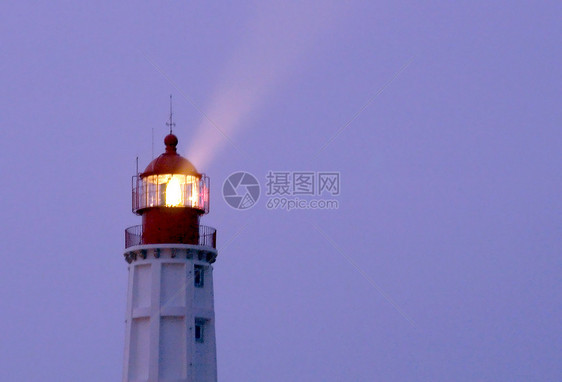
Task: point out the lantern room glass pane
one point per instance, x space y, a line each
172 190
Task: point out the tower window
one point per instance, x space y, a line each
199 330
198 276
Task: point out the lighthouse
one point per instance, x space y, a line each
170 319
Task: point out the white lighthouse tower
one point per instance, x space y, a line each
170 329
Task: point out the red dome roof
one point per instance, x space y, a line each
170 162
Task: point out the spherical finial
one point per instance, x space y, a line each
171 141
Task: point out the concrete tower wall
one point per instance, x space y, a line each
170 330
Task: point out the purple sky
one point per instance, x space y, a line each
450 206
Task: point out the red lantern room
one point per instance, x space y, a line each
171 196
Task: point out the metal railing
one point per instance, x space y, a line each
207 236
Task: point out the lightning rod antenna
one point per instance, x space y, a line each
171 123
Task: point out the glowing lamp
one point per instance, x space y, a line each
173 193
